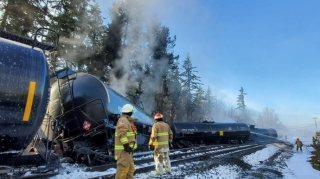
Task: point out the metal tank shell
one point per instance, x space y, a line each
197 132
82 99
234 131
79 100
24 91
116 103
265 131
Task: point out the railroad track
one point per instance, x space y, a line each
146 162
145 157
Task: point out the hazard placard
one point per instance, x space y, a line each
86 125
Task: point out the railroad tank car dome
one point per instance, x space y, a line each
24 91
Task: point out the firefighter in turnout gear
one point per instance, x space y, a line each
299 145
161 137
314 141
125 143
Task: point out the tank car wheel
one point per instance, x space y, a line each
188 144
66 160
179 145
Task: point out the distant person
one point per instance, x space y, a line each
285 137
314 141
161 137
299 145
125 143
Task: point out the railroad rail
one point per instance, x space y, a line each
177 157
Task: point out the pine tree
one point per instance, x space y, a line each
198 104
268 118
209 105
21 17
240 100
163 56
94 44
173 80
190 83
243 114
80 26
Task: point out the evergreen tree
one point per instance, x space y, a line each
198 105
209 105
232 114
21 17
240 100
173 80
114 39
78 23
94 44
268 119
243 114
190 83
163 55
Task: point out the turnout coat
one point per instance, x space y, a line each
161 135
125 133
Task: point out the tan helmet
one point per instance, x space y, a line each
158 116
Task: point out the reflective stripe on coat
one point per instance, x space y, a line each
161 135
125 133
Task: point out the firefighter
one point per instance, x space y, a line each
299 145
314 141
125 143
160 139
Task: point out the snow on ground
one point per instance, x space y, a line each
76 172
296 167
261 155
224 171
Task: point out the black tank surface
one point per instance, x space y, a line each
87 103
116 103
233 132
79 101
196 132
266 131
24 91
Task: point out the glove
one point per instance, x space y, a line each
127 148
151 147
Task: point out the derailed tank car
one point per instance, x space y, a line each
85 112
24 89
190 133
264 131
24 94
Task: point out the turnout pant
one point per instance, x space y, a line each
125 166
161 159
299 147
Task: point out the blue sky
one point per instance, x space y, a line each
270 48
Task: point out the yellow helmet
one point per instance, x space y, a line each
158 116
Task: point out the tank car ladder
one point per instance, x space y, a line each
69 75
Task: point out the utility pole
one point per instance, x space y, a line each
315 121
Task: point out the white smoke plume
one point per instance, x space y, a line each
137 49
